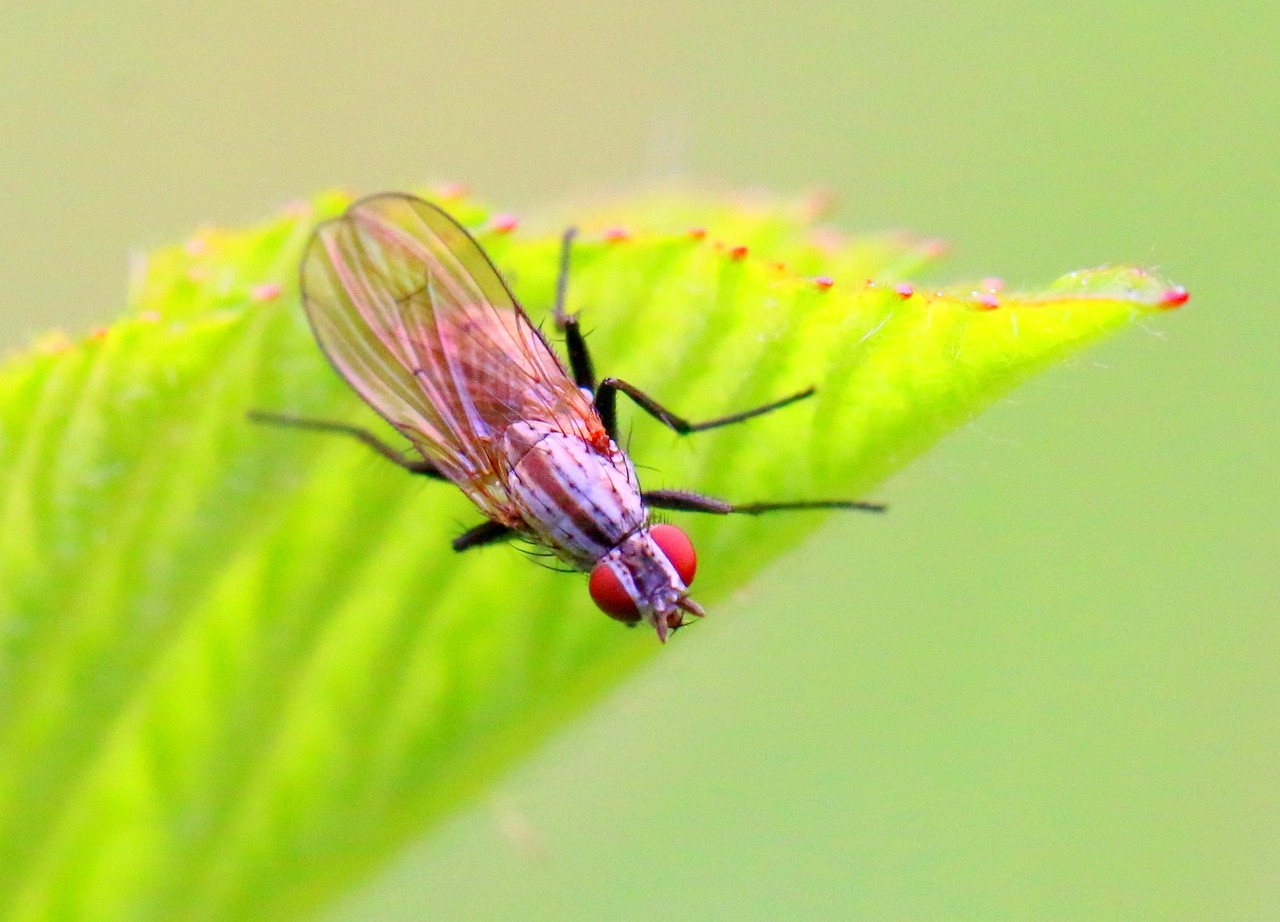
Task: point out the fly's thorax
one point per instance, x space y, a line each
578 501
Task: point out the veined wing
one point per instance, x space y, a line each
413 314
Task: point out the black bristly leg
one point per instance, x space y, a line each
685 501
584 374
607 407
412 465
606 398
484 533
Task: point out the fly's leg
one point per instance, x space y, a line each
606 398
412 465
484 533
685 501
584 374
607 407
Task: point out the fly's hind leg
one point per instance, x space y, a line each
484 533
412 465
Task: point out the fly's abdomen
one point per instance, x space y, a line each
578 502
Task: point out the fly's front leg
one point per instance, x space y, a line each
584 374
686 501
607 407
412 465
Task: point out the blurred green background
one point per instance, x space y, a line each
1049 687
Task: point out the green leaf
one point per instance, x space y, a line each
239 665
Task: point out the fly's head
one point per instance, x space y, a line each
646 578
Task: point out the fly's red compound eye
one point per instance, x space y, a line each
610 596
678 548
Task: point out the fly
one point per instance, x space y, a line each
412 313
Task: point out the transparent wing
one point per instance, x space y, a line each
413 314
